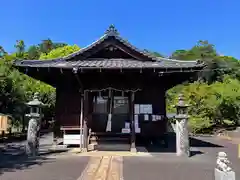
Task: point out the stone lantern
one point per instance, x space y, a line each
182 137
34 125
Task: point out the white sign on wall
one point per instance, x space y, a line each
146 117
145 109
136 109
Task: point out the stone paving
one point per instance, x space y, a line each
111 166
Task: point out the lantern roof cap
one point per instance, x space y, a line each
35 101
181 101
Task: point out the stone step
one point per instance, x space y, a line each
110 134
112 147
109 139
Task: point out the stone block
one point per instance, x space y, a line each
220 175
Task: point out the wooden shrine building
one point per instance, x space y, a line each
111 87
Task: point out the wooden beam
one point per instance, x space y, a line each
75 72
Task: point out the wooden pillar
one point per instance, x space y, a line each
81 121
85 113
110 108
132 121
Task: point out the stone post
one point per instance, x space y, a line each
34 124
182 137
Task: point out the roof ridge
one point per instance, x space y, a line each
176 60
111 32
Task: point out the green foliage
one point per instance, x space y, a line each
2 51
46 46
214 104
33 52
60 52
154 53
20 47
198 124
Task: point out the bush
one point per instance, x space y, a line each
200 124
210 105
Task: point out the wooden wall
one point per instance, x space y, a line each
68 110
156 97
67 107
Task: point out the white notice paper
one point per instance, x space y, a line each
146 118
148 108
137 130
127 125
136 118
159 117
145 109
141 107
136 126
154 118
136 109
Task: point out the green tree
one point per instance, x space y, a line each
33 52
154 53
20 47
60 52
46 46
2 51
58 45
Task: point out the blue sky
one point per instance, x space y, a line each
157 25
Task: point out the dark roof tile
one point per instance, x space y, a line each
108 63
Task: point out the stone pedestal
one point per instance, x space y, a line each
220 175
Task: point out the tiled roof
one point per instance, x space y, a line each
109 63
148 61
111 32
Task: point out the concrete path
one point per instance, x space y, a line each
44 168
111 166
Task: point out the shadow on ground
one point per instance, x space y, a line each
170 147
12 163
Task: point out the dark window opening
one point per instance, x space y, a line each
120 105
100 105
